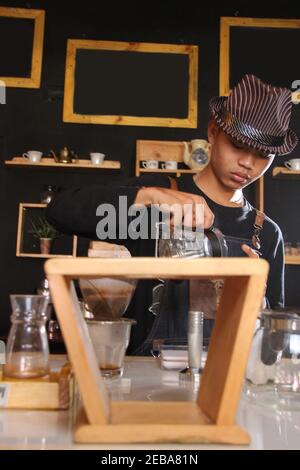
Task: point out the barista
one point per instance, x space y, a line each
247 131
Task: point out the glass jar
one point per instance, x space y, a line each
27 354
273 370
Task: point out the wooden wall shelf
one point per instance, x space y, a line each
292 259
285 173
161 151
23 207
49 162
177 172
34 255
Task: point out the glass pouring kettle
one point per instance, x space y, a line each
273 370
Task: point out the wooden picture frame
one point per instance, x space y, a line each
171 50
212 417
38 16
20 252
225 26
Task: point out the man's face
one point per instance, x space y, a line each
234 164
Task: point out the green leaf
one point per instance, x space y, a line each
40 228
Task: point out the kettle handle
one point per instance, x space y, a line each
186 153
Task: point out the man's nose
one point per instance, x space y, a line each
246 160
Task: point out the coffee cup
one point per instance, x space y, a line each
34 156
293 164
97 158
150 164
169 165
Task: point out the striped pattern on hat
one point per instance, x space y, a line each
258 115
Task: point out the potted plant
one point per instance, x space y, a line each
42 230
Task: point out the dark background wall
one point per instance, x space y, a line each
32 119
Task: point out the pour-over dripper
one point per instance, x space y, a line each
107 298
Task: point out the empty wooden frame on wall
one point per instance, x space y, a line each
21 46
135 84
260 46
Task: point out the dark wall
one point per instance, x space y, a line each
32 119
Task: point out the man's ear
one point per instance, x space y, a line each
212 131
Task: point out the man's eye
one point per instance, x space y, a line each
237 145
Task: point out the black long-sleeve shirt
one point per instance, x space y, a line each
74 212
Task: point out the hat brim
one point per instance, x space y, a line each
216 105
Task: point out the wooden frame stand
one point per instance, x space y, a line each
23 207
212 417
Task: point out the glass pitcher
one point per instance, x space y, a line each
273 370
27 355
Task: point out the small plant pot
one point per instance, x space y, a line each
45 245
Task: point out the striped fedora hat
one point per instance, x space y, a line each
257 115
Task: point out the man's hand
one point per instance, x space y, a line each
171 198
249 251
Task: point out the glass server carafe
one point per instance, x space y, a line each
273 371
27 354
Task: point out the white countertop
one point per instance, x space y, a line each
144 380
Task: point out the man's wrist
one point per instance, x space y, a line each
143 196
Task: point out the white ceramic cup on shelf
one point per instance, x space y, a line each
169 165
34 156
97 158
150 164
293 164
